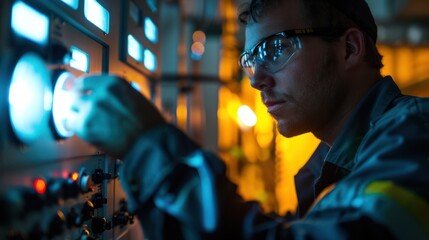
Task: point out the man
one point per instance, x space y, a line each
318 70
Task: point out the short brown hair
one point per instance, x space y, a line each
320 13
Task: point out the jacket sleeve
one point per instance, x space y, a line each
179 191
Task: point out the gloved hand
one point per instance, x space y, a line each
110 114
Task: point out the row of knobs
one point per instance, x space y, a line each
22 201
74 219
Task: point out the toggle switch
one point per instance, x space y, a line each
99 176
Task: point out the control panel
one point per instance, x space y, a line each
53 185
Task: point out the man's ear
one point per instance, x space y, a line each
354 43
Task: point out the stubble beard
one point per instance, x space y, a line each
321 100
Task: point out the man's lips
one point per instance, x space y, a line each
273 105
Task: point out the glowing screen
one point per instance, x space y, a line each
97 14
29 23
72 3
63 99
30 97
135 49
150 30
79 59
149 60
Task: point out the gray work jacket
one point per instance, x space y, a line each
374 182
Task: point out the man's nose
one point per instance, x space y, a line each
261 78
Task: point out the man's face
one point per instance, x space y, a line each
303 96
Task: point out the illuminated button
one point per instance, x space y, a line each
72 3
74 176
149 60
30 97
150 30
97 14
30 24
39 185
135 49
62 101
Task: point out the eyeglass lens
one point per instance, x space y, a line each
272 54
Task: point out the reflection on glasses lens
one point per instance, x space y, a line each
272 54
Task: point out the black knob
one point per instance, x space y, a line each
85 235
70 189
56 226
98 200
54 191
87 210
73 219
98 225
120 219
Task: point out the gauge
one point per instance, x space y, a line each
30 97
62 101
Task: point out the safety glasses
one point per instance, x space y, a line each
274 52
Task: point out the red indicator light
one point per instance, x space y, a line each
74 176
39 185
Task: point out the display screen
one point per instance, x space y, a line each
30 97
135 49
79 59
29 23
149 60
150 30
97 14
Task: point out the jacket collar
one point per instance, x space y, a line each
371 107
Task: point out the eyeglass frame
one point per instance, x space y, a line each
317 31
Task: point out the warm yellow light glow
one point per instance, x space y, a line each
264 129
228 136
407 65
291 155
246 117
181 112
232 106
